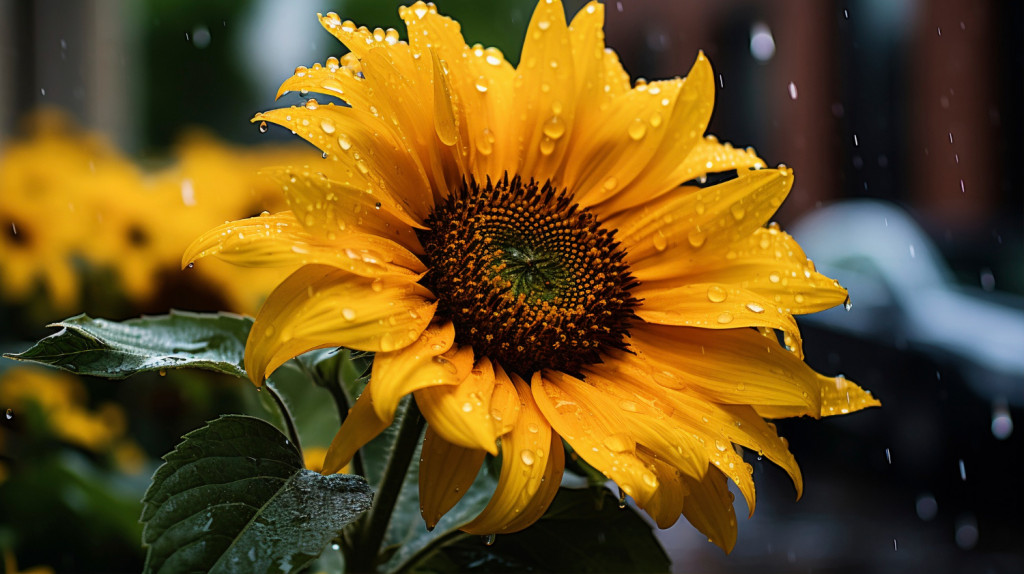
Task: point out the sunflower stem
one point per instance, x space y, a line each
365 547
286 414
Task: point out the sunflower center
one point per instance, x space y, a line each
528 278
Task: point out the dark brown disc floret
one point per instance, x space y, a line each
529 279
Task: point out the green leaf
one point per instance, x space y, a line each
234 497
116 350
583 531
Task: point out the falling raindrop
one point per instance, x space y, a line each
762 44
9 414
792 91
1002 424
927 507
963 470
888 456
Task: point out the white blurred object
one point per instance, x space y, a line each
903 293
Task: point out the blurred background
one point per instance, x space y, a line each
124 133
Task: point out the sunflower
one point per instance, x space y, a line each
526 251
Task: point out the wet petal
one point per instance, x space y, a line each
691 226
362 152
320 306
684 128
772 265
708 507
429 361
840 396
666 506
280 241
446 473
360 427
715 306
531 465
327 207
734 366
462 413
711 156
505 404
595 433
545 88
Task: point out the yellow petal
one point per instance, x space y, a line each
429 361
505 405
596 433
444 116
611 151
461 413
715 306
708 507
545 88
359 40
362 152
840 396
685 127
360 427
330 207
640 423
446 473
689 226
280 241
772 265
666 506
689 412
711 156
320 306
531 465
733 366
331 80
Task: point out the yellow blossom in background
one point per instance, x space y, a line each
524 251
62 399
73 204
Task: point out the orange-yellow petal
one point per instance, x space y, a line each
360 427
505 403
684 127
596 433
320 306
461 413
715 306
362 151
532 460
446 472
733 366
280 241
772 265
708 507
429 361
690 226
327 207
666 506
545 89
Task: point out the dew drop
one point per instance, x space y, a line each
344 142
755 308
716 294
616 443
547 146
348 313
554 128
696 237
659 240
527 456
725 318
610 183
327 126
774 277
637 130
737 211
311 104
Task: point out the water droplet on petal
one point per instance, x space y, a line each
716 294
327 126
527 456
348 313
725 318
637 130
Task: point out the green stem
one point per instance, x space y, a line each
367 540
286 414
